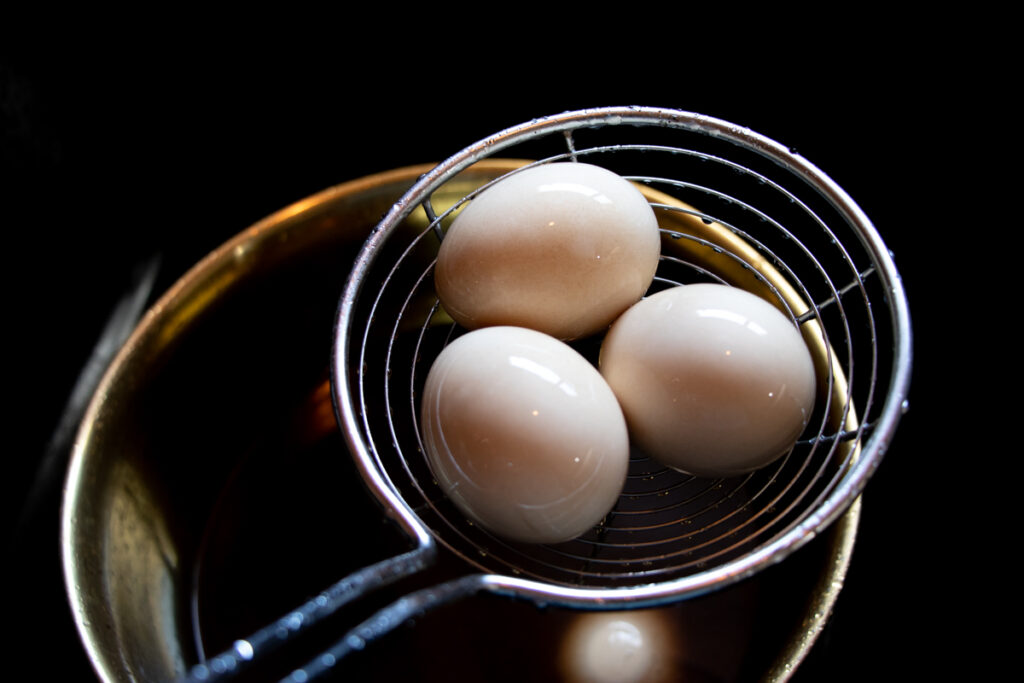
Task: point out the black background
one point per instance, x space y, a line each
110 156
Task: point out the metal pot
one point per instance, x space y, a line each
209 490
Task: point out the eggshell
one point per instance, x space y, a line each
562 248
523 434
621 647
713 380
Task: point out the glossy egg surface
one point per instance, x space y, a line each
621 647
713 380
523 434
561 248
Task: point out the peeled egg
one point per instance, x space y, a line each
713 380
523 434
561 248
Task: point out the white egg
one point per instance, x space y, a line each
620 647
561 248
713 380
523 434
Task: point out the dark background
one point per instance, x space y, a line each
109 157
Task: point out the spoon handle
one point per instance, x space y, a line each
246 652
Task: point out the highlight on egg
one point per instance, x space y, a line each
713 380
562 248
523 434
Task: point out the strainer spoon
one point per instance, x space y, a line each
769 221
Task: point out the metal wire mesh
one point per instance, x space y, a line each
733 208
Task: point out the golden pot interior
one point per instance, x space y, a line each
210 489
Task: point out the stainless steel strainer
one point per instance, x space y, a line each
734 207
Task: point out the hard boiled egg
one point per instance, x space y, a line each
713 380
621 647
523 434
563 248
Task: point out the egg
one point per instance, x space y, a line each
523 434
620 647
713 380
562 248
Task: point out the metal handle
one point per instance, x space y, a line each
247 652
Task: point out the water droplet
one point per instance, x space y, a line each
905 406
355 642
328 660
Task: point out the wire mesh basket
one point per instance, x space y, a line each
734 208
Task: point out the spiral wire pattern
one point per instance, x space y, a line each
733 208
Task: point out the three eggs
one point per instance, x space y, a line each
523 434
